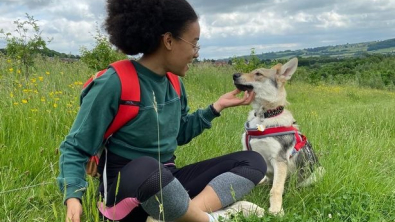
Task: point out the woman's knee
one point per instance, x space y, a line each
256 161
252 166
141 178
152 176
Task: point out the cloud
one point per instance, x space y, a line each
31 4
228 28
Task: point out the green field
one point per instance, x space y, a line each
351 129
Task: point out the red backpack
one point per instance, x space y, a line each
129 102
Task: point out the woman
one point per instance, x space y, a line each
166 33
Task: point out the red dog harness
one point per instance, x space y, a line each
251 133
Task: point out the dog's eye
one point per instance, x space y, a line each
258 74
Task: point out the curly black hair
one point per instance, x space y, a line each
136 26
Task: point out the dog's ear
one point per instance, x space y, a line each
287 70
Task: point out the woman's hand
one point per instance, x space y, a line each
230 99
74 210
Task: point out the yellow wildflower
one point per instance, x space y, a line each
11 95
55 105
47 73
16 103
41 78
11 69
24 101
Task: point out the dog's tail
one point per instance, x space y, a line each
314 177
310 170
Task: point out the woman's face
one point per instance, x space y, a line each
186 49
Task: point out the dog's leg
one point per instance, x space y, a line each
276 193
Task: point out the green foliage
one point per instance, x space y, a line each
242 64
52 53
26 43
102 54
374 71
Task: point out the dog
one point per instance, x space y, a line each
271 130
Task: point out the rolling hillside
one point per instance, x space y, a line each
337 51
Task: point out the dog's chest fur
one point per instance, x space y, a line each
276 148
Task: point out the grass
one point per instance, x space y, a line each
351 129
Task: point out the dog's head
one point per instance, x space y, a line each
268 84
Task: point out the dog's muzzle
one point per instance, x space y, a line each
242 87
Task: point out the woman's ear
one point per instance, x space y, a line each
167 40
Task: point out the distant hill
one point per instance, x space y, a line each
337 51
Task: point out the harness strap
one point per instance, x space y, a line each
275 131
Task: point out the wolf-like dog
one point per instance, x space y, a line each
271 130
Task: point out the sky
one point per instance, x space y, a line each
228 27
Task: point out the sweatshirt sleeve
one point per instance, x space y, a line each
97 110
193 124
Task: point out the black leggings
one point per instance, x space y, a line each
194 177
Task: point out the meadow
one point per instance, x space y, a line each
352 130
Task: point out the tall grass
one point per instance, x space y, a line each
351 129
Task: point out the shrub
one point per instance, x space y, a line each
26 43
102 54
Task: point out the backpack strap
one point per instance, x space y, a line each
130 92
98 74
130 95
129 103
175 81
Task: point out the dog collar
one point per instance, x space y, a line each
275 131
273 112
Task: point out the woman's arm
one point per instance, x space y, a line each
97 110
192 125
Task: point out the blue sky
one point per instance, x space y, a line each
228 27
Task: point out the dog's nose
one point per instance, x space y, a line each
236 75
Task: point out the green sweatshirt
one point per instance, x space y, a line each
137 138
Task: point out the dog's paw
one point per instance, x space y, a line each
264 181
276 212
